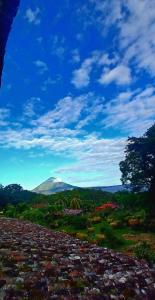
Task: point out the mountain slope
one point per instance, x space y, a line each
111 189
53 185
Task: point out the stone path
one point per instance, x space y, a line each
38 264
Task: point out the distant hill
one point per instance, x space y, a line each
53 185
111 189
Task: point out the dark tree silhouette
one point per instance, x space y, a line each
13 188
138 168
8 10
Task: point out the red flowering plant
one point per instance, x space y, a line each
106 208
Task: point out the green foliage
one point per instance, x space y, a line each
131 201
113 240
34 215
144 251
88 199
138 168
11 211
75 203
13 188
78 222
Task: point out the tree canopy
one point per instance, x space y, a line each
138 168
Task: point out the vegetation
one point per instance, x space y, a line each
110 220
144 251
110 226
138 168
14 193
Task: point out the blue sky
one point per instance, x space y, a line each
79 78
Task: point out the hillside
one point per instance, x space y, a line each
111 188
54 185
37 263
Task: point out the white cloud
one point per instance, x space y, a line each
49 81
62 130
105 60
42 66
58 46
135 113
67 111
4 116
120 75
95 160
75 56
32 16
81 76
30 107
134 23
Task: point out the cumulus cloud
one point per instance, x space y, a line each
120 75
32 16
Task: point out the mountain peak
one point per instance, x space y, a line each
50 179
52 185
54 179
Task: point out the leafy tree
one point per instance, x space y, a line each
1 187
13 188
138 168
75 203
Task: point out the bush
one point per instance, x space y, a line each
144 251
116 224
95 220
100 237
79 222
82 236
34 215
112 239
119 215
90 229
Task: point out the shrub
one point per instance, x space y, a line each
150 225
112 239
144 251
90 229
96 219
79 222
100 237
34 215
115 224
120 215
81 235
133 222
